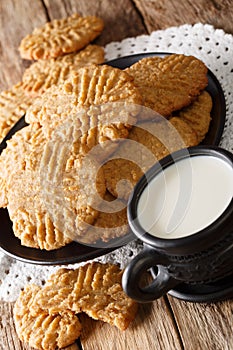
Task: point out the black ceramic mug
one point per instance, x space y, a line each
182 210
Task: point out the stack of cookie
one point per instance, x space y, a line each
60 47
176 115
55 156
93 131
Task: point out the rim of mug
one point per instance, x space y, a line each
191 243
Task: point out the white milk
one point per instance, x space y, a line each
186 197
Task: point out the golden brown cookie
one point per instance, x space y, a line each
43 331
81 148
22 194
94 288
107 93
11 160
169 84
147 143
77 185
197 115
60 170
37 207
121 176
60 36
37 230
13 105
45 73
110 223
92 111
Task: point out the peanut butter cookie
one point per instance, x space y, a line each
94 288
102 90
27 204
110 223
43 331
21 191
197 115
147 143
13 105
60 36
45 73
170 83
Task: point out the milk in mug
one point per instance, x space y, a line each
186 197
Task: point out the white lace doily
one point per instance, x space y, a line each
215 49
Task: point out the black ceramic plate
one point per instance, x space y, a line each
73 252
76 252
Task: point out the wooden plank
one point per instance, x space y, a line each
210 325
8 338
17 18
160 14
204 326
153 325
120 17
153 328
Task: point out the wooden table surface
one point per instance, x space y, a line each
167 323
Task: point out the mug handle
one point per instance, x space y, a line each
160 285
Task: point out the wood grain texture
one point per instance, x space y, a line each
17 18
154 319
120 17
8 337
160 325
153 326
204 326
160 14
